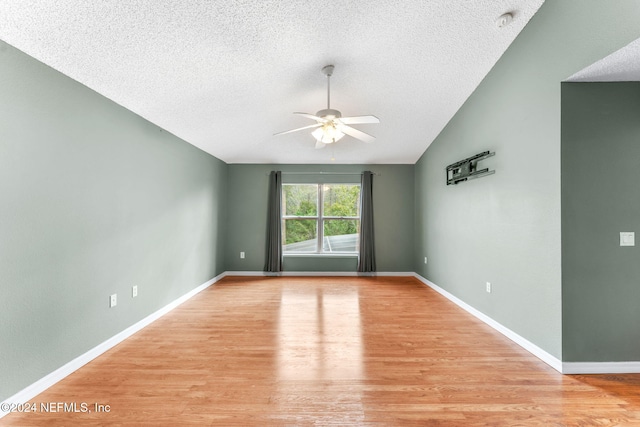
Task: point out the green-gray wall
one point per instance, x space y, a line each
505 228
94 200
600 198
393 216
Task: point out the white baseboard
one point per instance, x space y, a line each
395 274
246 273
632 367
31 391
322 273
547 358
601 367
44 383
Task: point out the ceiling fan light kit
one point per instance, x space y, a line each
331 126
328 133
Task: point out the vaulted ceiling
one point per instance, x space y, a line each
622 65
226 75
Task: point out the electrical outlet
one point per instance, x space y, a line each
241 255
425 260
488 287
134 291
113 300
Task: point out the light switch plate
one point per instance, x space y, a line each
627 238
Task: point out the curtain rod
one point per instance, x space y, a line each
325 173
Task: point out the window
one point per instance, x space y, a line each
320 218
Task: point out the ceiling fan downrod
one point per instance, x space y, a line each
327 70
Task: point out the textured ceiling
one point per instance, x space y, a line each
226 75
621 66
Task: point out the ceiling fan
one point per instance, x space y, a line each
331 126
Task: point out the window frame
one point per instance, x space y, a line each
320 218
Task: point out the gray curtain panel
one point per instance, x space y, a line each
274 224
367 257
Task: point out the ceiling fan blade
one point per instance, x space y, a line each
359 120
320 144
296 130
357 134
312 116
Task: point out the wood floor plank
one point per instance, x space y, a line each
333 351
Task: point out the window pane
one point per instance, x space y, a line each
341 235
341 200
300 199
300 235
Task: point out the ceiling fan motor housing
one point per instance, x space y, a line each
329 113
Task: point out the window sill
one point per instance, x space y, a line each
319 255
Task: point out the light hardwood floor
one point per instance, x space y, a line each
338 351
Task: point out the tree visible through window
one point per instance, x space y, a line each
320 218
